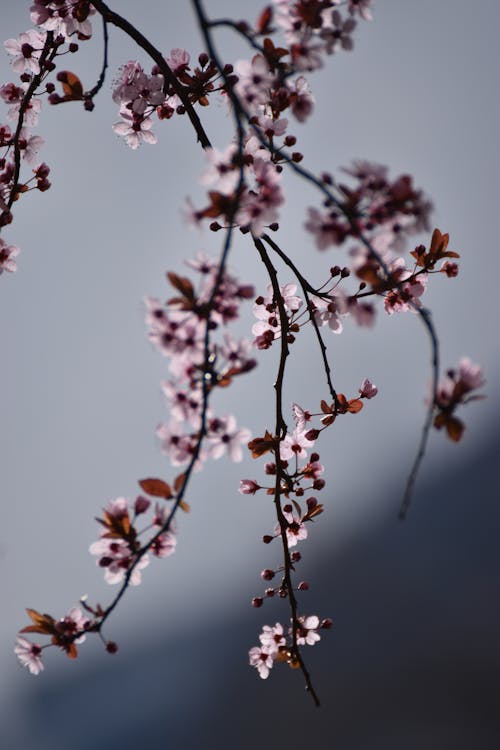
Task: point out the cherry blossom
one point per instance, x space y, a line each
223 436
134 129
272 637
8 254
26 51
116 559
262 657
367 389
29 654
308 631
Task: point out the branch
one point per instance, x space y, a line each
280 432
155 55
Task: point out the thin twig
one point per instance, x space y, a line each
90 94
306 288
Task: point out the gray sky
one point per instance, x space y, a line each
81 382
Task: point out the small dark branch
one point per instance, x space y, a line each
306 288
48 53
280 431
90 94
424 437
122 23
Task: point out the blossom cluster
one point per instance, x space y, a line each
142 96
65 633
314 28
197 365
33 54
296 473
122 552
276 644
456 388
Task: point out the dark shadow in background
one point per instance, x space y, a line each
413 660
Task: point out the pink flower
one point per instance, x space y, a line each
307 633
296 530
301 99
362 8
31 145
367 389
178 60
248 487
26 51
116 558
74 622
164 545
7 255
222 173
261 658
272 637
301 417
295 445
224 437
328 229
134 129
471 376
29 654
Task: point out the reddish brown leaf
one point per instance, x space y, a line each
71 84
41 623
260 446
455 429
156 488
354 405
182 284
264 20
325 408
179 482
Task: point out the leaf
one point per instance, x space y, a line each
325 408
354 405
184 506
455 429
43 624
260 446
264 20
71 84
182 284
156 488
179 482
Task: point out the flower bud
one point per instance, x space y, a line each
267 574
257 601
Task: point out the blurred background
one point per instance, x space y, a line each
413 658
